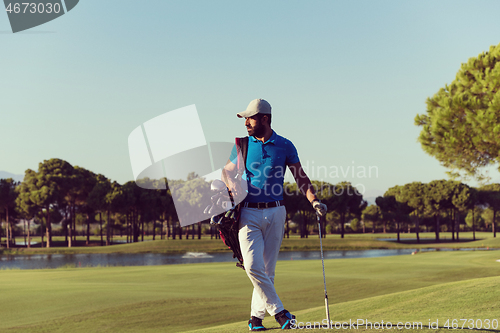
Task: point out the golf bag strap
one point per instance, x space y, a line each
242 148
230 235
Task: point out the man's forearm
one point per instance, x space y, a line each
226 176
310 193
229 173
307 189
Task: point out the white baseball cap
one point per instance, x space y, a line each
256 106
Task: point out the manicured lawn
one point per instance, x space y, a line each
204 296
467 305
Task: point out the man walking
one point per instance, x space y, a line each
263 215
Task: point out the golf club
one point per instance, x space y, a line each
323 263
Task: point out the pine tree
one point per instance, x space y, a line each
461 128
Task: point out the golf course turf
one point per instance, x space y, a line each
216 297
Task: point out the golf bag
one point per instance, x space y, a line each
228 226
228 222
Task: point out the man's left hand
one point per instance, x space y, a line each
320 208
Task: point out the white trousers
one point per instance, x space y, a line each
261 233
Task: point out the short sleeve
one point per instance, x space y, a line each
292 156
234 155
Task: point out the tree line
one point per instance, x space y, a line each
447 203
441 205
60 193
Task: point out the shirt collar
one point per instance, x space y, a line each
272 139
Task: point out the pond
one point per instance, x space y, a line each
40 261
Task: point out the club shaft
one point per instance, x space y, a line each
324 276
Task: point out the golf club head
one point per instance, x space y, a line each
227 205
230 214
218 185
215 219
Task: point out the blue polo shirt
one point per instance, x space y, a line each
266 166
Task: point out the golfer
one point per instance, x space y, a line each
262 220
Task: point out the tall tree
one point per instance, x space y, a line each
462 125
192 197
168 212
297 202
437 199
393 204
26 208
46 188
413 194
490 195
371 214
385 214
72 198
463 198
98 199
489 217
132 196
149 203
86 181
8 197
345 200
114 205
474 218
120 207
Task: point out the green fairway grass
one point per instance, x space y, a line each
468 305
294 243
179 298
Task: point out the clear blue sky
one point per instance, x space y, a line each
345 78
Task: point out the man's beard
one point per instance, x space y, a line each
258 130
